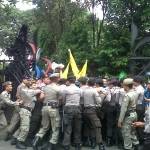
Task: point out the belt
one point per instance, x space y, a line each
133 110
128 112
52 104
88 107
27 108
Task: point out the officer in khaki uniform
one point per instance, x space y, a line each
91 100
5 101
50 113
27 97
128 116
72 114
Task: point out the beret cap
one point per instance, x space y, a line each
7 83
128 81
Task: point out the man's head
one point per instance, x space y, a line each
62 81
99 82
128 84
33 84
91 82
83 80
105 82
71 80
46 80
148 85
54 77
137 80
27 81
113 82
7 86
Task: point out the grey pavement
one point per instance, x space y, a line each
6 146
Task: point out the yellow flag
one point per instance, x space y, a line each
64 74
83 71
73 64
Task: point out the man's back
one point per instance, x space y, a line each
91 97
51 92
72 95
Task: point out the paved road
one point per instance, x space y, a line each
7 146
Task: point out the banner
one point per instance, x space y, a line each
73 64
83 71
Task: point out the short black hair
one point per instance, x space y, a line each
99 81
44 77
138 79
71 79
91 81
62 81
113 82
83 80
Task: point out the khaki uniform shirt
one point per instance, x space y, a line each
128 104
72 95
91 97
28 96
52 92
5 98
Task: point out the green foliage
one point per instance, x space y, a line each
59 25
11 21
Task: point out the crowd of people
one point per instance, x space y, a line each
85 112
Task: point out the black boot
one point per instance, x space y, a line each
20 145
77 147
50 146
109 142
67 147
101 147
44 146
136 147
93 143
13 141
36 142
86 142
8 136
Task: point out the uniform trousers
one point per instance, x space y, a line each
50 118
111 121
22 133
92 123
129 132
9 116
15 119
140 115
72 123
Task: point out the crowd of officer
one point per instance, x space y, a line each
83 112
